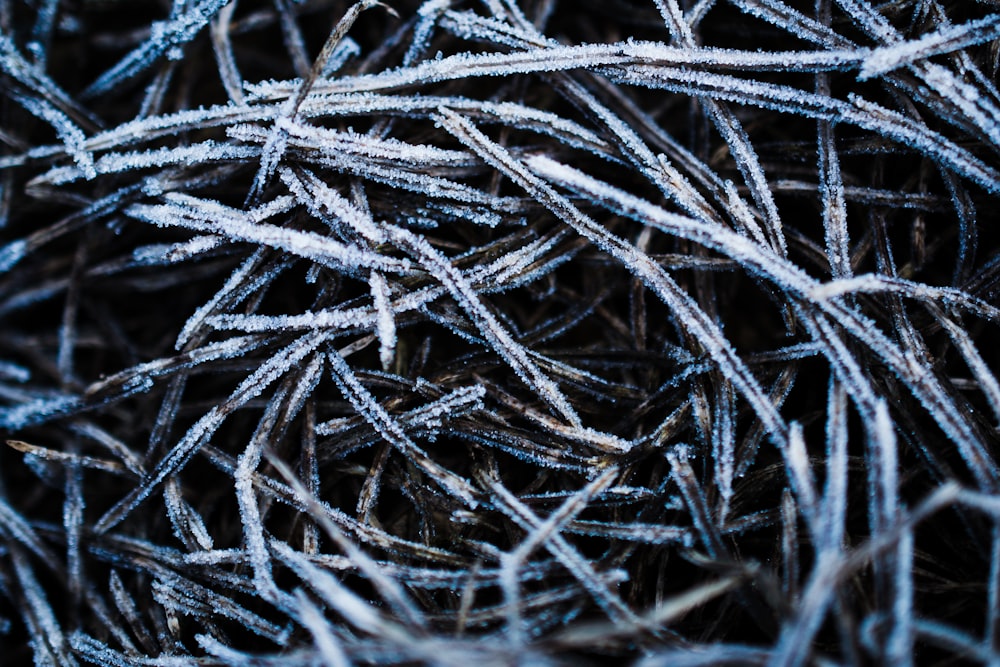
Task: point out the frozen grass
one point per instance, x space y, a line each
499 332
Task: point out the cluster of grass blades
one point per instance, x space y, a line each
499 332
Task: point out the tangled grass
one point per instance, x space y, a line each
502 332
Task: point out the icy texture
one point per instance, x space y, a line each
480 332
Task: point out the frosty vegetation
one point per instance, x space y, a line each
499 332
